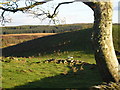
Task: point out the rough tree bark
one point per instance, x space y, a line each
103 44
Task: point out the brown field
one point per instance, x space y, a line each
13 39
29 34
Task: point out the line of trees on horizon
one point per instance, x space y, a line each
44 28
48 29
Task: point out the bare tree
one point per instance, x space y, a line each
102 35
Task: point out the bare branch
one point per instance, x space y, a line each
2 17
55 13
90 4
59 6
23 8
14 8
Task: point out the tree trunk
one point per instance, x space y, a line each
102 39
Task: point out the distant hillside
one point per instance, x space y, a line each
13 39
44 28
47 28
63 42
79 40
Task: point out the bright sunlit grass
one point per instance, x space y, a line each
32 73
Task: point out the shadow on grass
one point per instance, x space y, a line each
68 41
80 79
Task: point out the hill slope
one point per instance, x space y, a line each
77 44
62 45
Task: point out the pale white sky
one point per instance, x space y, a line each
72 13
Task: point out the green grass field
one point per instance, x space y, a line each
24 67
28 73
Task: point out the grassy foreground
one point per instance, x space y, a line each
33 73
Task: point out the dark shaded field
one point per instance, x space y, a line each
69 41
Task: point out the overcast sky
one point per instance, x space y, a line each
68 14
